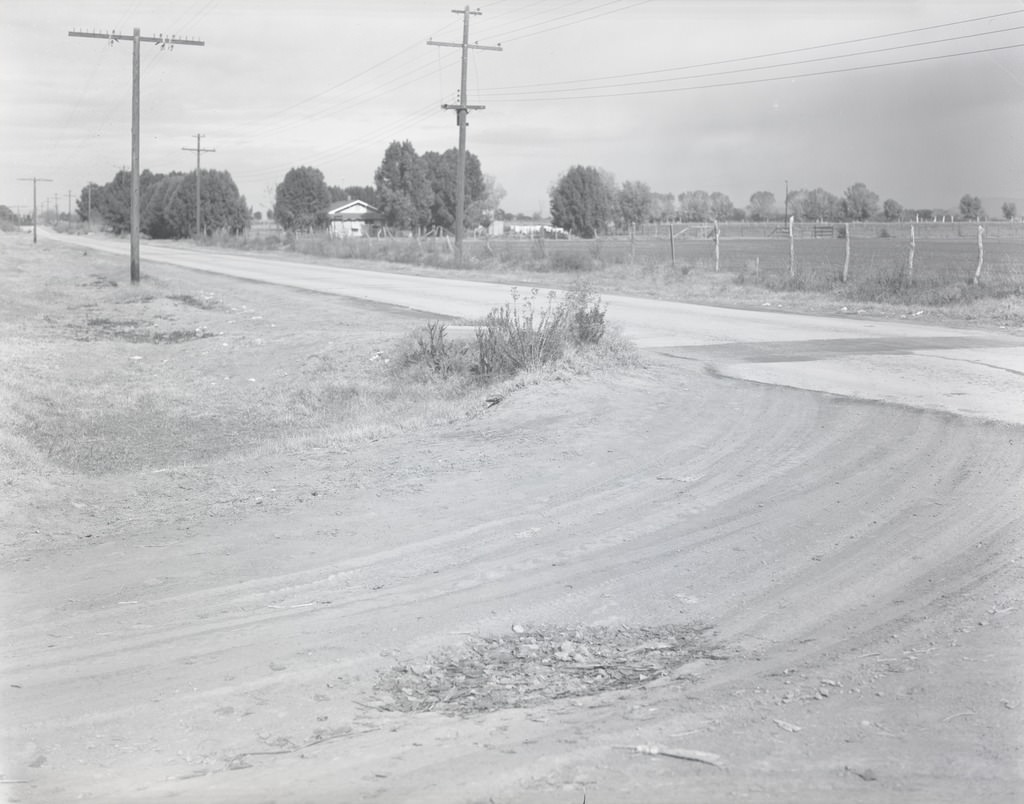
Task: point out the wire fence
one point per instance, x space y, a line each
924 254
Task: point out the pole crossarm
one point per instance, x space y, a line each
160 39
137 39
199 151
460 44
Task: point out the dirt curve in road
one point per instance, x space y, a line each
860 565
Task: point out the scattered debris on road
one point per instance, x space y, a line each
536 665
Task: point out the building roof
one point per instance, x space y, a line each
355 211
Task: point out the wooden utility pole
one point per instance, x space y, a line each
34 180
199 150
461 111
137 40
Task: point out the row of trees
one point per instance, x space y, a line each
586 201
167 203
412 191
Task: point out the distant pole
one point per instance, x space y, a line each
785 201
461 111
672 245
69 207
88 213
137 39
792 260
981 255
199 150
718 234
910 257
846 262
34 181
136 195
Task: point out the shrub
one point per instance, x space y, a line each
521 335
433 350
586 315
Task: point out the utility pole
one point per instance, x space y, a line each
34 180
198 151
461 112
69 207
786 201
137 39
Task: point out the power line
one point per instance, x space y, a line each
773 54
750 81
818 59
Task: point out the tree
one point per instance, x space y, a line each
722 208
892 210
1009 210
87 200
695 205
970 207
115 199
441 171
165 215
663 207
859 203
582 201
818 205
404 194
761 206
301 200
635 201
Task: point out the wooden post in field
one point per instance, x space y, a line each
717 236
672 245
846 262
981 255
910 257
792 262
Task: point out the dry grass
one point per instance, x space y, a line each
99 377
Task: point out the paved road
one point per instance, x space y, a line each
967 372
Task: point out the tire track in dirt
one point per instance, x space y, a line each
800 526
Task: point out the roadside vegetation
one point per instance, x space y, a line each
101 377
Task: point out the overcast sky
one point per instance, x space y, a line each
680 94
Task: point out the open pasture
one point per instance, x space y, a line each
939 261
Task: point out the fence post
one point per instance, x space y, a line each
792 262
717 235
672 244
910 257
981 255
846 262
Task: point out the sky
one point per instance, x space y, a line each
733 96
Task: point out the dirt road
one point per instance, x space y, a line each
859 565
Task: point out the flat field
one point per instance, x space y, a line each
241 563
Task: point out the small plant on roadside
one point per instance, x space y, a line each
434 350
586 315
522 334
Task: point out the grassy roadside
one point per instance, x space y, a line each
102 377
191 396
